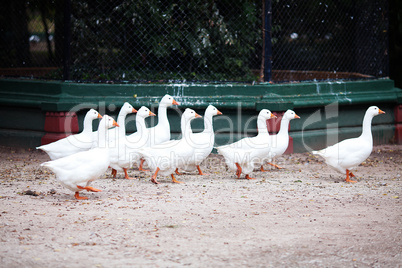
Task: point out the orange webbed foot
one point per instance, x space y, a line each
126 175
114 172
177 172
278 167
78 197
141 166
249 178
200 171
89 189
348 178
153 179
262 169
174 179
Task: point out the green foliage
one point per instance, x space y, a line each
184 39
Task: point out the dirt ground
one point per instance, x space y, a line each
302 216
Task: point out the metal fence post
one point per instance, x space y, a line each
268 41
67 40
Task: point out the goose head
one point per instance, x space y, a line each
144 112
92 114
289 114
168 100
211 110
127 109
374 110
109 122
266 114
190 114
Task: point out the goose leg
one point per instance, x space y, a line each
114 172
262 169
126 175
141 164
89 189
278 167
249 178
174 179
200 171
238 171
78 197
153 179
347 176
177 172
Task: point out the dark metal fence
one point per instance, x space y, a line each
189 40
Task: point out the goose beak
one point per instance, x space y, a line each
273 116
151 114
380 111
197 115
99 116
175 102
115 124
134 110
296 116
219 112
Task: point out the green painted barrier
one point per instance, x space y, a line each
321 106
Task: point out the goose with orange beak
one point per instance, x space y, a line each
280 141
118 162
161 132
203 142
74 143
77 171
245 154
348 154
165 158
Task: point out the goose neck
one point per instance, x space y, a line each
185 127
366 132
140 124
102 138
208 124
121 121
262 125
162 115
87 125
284 127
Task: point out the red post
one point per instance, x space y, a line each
59 125
398 124
274 126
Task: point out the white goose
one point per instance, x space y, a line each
203 142
246 153
114 134
73 143
139 139
348 154
166 157
77 171
280 141
117 140
161 132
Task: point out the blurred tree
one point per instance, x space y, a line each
183 36
14 36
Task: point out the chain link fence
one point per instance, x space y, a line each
197 41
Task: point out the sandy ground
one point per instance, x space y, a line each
301 216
